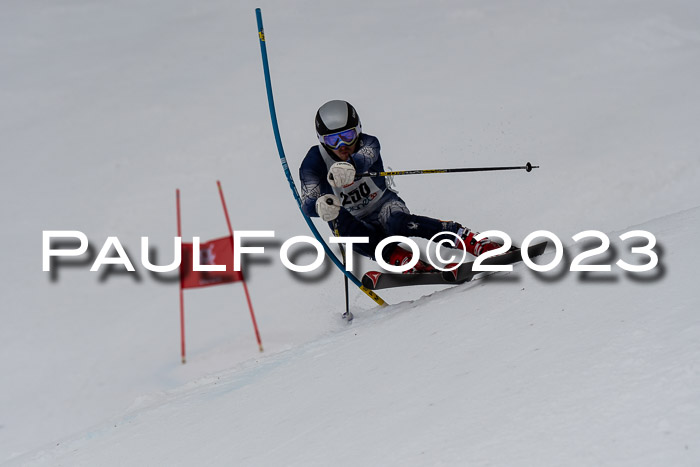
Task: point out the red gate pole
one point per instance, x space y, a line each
245 286
182 299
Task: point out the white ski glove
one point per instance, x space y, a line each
328 207
341 174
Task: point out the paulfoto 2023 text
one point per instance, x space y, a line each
646 251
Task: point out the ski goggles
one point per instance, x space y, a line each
342 138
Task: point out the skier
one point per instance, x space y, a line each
366 207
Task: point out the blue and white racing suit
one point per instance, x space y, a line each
369 207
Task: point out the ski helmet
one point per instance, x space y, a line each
334 117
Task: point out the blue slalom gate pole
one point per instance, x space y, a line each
287 173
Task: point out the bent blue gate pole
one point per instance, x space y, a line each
287 173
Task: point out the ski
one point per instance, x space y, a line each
375 280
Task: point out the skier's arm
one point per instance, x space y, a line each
367 154
313 185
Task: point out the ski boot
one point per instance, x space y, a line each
400 256
471 246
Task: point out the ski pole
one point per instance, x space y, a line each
347 315
527 167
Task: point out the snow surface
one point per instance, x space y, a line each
110 106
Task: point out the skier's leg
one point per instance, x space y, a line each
396 219
347 225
